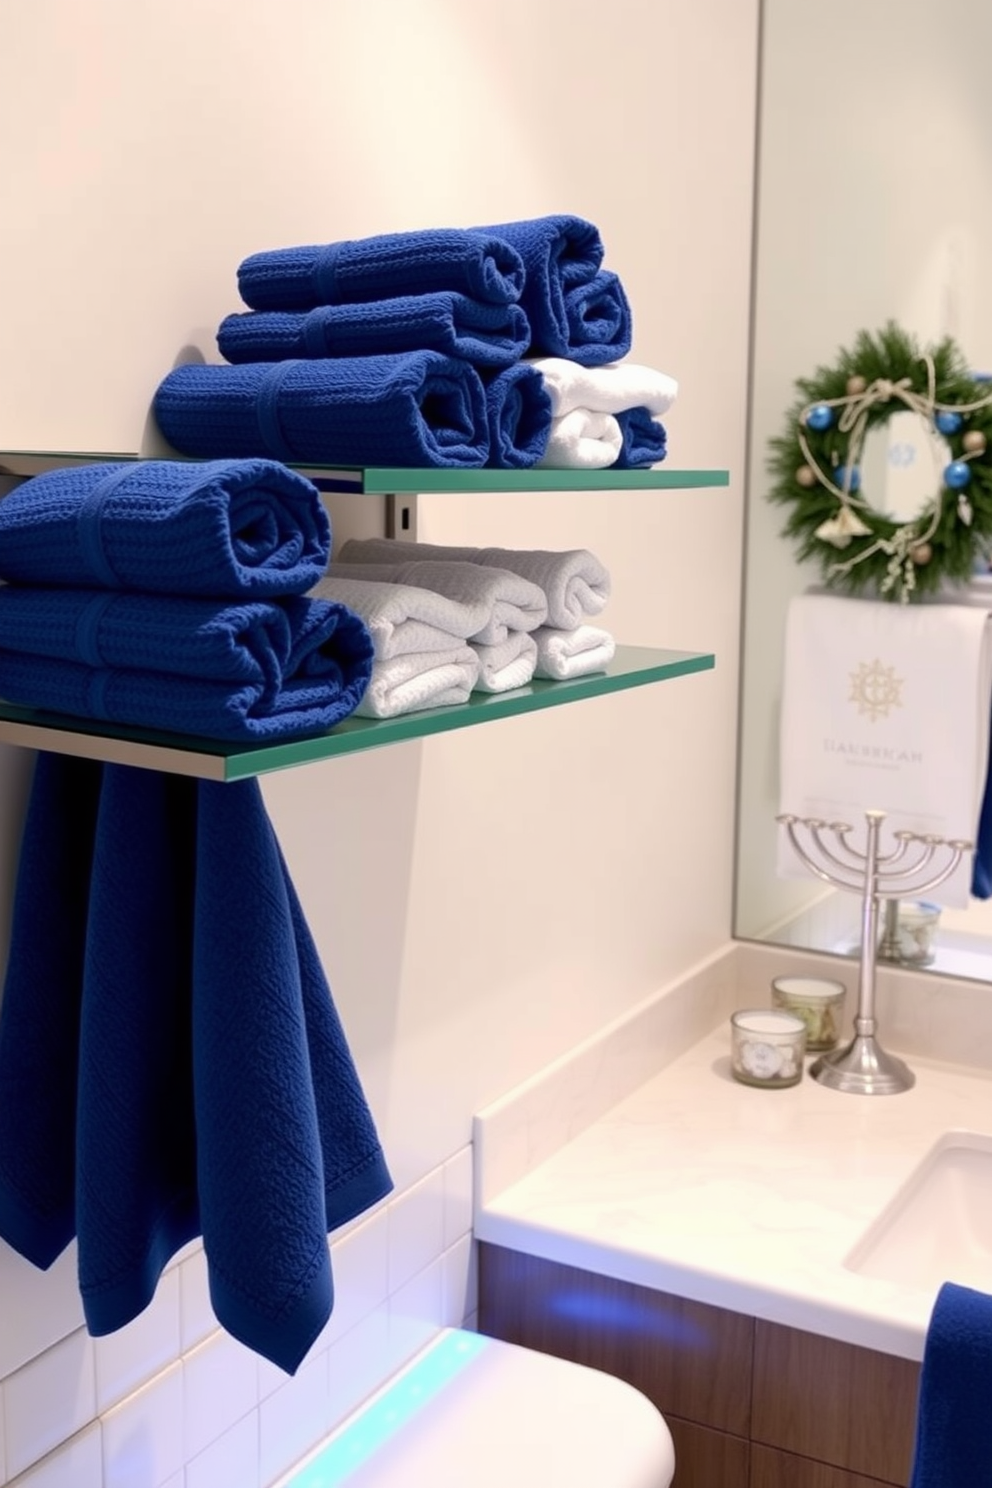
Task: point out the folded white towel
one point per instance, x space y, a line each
886 707
401 618
502 601
583 440
508 665
572 653
575 583
609 389
426 679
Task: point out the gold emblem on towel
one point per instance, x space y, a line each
876 689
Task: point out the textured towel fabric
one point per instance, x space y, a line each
507 665
222 1101
402 618
953 1437
583 440
420 679
328 663
575 583
229 528
475 263
644 440
518 411
508 600
415 408
487 335
572 653
609 389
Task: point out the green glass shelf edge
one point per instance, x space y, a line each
633 666
399 480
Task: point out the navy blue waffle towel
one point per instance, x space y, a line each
518 408
486 335
981 872
576 308
171 1062
259 670
475 263
953 1428
645 441
228 528
415 408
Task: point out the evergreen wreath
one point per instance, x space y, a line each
815 466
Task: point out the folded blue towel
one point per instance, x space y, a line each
645 441
576 309
981 871
415 408
487 335
518 409
232 527
223 1100
472 262
953 1427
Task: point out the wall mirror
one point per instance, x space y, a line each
874 204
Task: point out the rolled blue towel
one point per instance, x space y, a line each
417 408
474 262
953 1446
645 441
576 309
485 334
981 871
228 528
519 412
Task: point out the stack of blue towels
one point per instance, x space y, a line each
407 349
166 595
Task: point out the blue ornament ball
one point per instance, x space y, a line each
841 480
820 417
948 423
957 475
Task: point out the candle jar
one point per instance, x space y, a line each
767 1047
818 1002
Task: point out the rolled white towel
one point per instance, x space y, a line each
575 583
572 653
508 665
402 618
425 679
608 389
582 440
503 601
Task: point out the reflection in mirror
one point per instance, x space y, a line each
874 204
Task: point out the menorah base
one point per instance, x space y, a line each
863 1068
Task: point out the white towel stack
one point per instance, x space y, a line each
585 401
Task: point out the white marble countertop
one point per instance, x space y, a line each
745 1198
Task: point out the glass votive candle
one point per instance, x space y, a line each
767 1047
917 931
820 1004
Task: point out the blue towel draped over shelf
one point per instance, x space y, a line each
644 440
518 411
953 1425
228 528
486 335
171 1062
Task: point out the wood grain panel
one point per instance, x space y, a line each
833 1402
773 1469
705 1458
692 1360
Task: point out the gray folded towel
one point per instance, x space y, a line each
508 600
402 618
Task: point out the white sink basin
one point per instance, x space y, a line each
938 1227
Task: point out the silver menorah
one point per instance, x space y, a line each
863 1067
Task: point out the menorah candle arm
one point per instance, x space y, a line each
801 852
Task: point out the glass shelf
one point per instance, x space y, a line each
211 759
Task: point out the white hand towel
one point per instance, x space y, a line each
502 601
609 389
428 679
572 653
575 583
401 618
582 440
508 665
886 707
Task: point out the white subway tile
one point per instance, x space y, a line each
76 1464
457 1196
357 1365
132 1355
220 1387
460 1282
40 1308
415 1313
196 1313
175 1482
360 1267
293 1419
49 1400
416 1228
143 1436
3 1450
229 1462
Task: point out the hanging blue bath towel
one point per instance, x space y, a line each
645 441
486 335
417 408
518 409
231 527
472 262
953 1436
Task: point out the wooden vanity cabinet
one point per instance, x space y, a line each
749 1404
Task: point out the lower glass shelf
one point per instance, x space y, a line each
212 759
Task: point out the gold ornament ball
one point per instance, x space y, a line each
974 442
806 476
921 554
856 384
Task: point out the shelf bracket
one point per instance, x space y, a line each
401 516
